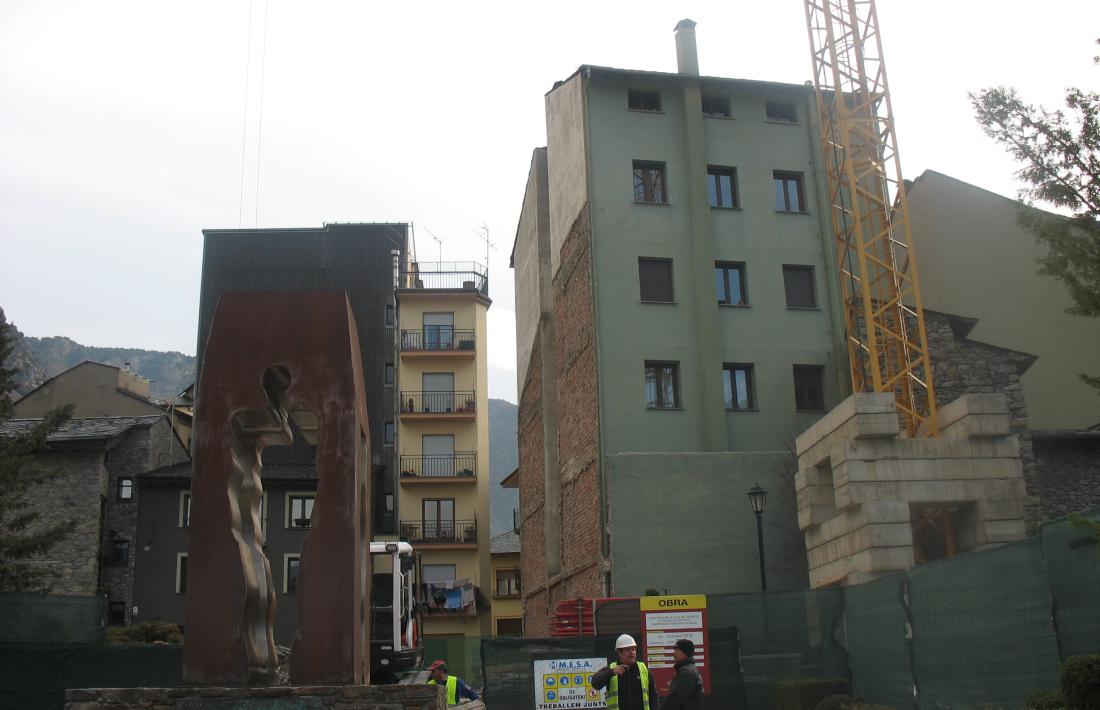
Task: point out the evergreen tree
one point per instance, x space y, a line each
1060 153
21 535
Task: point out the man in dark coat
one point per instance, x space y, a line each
685 692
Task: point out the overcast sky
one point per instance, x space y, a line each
124 125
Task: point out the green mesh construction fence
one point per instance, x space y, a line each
462 654
49 619
981 630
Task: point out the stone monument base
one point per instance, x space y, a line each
312 697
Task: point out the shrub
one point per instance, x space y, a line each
806 693
145 632
1081 683
1045 700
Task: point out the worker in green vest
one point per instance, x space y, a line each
628 681
456 687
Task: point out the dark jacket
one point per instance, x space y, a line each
686 690
630 687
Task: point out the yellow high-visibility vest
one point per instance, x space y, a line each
452 689
613 687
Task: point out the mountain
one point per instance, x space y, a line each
169 372
503 459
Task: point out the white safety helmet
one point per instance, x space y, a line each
624 641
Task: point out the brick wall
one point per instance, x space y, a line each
531 497
1068 464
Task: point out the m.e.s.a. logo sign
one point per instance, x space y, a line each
565 684
666 620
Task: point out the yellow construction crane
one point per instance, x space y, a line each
883 312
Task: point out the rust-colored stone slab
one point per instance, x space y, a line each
271 357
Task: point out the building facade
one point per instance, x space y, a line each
676 329
442 430
506 576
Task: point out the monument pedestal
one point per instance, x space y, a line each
279 697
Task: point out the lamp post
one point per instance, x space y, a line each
757 498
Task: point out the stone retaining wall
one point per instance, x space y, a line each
352 697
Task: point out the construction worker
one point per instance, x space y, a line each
456 687
629 683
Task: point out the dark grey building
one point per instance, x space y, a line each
358 259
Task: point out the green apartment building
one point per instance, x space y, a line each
676 329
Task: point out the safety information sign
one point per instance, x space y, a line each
567 683
668 619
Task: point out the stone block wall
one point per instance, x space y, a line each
858 481
1068 464
75 495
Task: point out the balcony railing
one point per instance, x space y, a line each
437 339
437 402
461 464
439 531
468 275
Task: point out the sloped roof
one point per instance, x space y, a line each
504 544
81 429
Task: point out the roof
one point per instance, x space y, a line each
511 480
84 429
590 69
1090 434
504 544
271 472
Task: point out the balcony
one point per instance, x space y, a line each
437 406
450 533
438 342
454 276
460 467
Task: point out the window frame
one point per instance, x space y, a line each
185 509
120 545
726 113
389 373
124 483
391 316
515 583
784 177
800 268
654 165
820 370
714 172
288 505
289 557
454 572
496 625
776 116
181 573
725 267
671 279
750 385
641 107
674 366
389 433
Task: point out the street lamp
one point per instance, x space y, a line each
757 498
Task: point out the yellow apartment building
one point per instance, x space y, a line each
442 451
507 604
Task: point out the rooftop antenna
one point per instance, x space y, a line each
483 232
437 241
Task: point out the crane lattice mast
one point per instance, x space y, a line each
883 311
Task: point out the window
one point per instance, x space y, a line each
781 111
290 573
185 509
439 331
729 281
125 489
439 518
643 100
798 282
809 395
116 613
120 552
662 385
389 373
737 383
438 573
510 627
388 435
181 573
649 182
390 315
716 106
299 510
934 532
655 280
722 183
507 583
788 192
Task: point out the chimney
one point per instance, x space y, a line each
687 59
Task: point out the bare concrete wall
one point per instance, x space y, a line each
567 167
